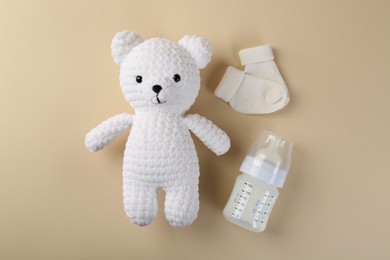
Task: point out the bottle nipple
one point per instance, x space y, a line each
270 153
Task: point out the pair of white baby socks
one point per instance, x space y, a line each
259 89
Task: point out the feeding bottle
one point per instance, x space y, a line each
255 192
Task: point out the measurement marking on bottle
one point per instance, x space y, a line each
261 212
241 200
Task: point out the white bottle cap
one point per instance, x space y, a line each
269 159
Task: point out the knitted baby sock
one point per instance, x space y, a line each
259 89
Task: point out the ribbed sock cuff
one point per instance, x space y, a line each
229 83
256 54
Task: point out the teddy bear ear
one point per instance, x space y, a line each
199 48
123 43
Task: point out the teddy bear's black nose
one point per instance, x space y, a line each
157 88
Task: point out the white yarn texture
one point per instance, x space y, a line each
160 152
107 131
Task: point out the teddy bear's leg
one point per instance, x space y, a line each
181 205
140 202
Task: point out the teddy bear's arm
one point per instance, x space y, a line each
107 131
210 134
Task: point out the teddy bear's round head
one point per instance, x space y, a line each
157 74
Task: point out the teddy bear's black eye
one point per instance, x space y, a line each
138 79
176 78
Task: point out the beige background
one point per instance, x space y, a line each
58 201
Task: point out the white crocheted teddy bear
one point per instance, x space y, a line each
161 80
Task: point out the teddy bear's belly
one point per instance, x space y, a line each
160 150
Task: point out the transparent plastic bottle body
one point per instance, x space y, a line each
250 203
255 192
